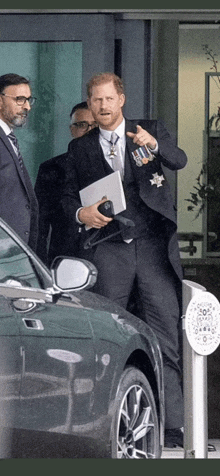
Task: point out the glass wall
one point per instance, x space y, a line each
55 72
194 64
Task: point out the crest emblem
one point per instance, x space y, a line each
203 323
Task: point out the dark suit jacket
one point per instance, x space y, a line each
18 203
52 227
86 164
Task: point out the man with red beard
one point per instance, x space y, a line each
146 254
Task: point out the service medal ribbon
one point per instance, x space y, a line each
142 155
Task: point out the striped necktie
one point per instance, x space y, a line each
14 140
115 154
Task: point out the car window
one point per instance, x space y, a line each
15 265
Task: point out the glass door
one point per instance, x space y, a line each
55 72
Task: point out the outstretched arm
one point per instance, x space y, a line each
167 151
142 137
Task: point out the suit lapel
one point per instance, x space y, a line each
23 176
138 172
96 156
130 171
130 126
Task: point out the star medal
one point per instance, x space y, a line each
157 180
142 156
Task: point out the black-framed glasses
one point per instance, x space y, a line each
21 100
84 125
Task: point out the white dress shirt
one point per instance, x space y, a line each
7 131
105 138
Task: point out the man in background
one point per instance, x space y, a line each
18 203
81 120
48 189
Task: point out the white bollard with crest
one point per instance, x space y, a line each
201 337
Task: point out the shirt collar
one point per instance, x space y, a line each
5 127
120 131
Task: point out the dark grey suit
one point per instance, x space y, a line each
53 232
152 258
18 203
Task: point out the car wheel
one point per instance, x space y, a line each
135 430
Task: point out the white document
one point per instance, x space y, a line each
110 187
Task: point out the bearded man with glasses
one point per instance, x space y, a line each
48 188
18 202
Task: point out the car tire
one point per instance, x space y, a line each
135 429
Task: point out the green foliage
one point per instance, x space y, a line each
202 192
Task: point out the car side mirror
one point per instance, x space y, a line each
73 274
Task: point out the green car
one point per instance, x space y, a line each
78 374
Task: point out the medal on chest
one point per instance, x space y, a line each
113 152
142 156
157 180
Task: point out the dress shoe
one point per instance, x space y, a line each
174 438
211 447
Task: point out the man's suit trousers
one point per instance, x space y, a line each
145 260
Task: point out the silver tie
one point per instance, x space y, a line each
15 142
115 154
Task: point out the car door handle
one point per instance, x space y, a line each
33 324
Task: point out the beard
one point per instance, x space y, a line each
14 119
108 120
19 121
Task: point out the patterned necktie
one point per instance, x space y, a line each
15 142
115 154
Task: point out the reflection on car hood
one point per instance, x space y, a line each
91 300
